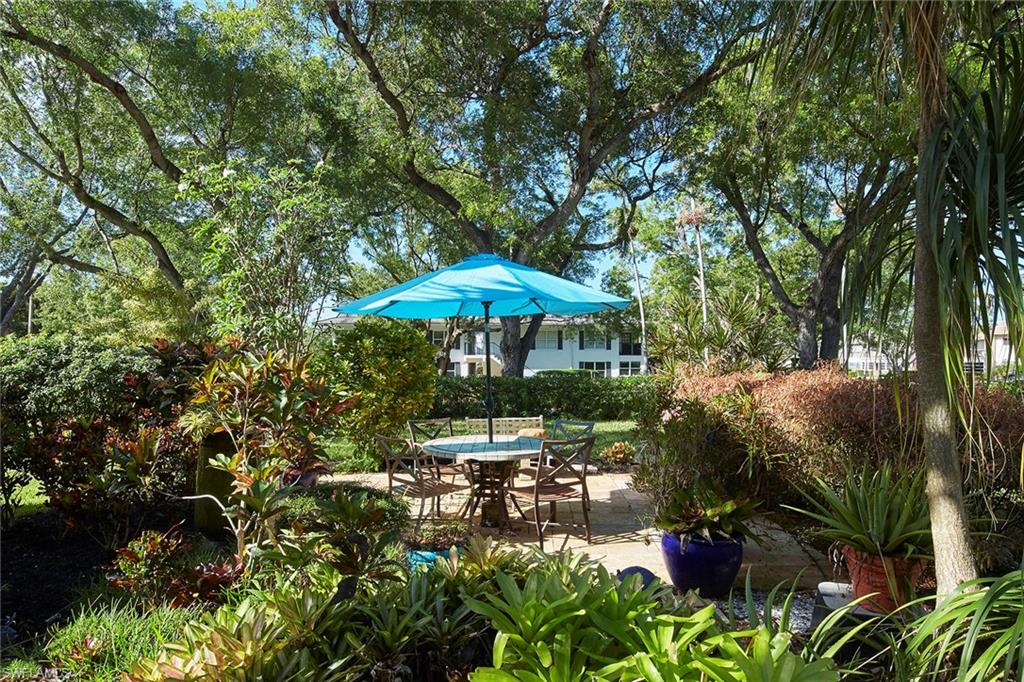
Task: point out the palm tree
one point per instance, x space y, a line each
967 245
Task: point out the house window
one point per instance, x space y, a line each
471 344
471 368
548 339
629 368
600 369
453 369
592 341
629 346
436 337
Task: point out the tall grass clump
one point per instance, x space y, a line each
104 640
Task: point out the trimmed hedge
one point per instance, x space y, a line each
773 432
561 394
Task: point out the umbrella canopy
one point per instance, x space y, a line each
461 290
484 285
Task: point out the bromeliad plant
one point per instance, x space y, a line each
883 512
700 511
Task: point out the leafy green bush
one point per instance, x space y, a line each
304 508
96 425
103 641
982 633
574 621
555 394
413 629
391 370
45 380
688 445
531 617
270 405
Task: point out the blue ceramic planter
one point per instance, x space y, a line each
708 567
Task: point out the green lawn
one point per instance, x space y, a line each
606 433
342 453
29 499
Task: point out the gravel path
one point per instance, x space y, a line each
799 615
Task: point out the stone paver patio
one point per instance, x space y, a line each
621 535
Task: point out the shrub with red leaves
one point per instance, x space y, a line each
154 568
815 423
106 471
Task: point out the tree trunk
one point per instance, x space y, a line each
954 562
515 347
807 338
831 326
452 335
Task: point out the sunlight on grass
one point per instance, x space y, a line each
29 499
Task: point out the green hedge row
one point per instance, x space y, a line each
567 395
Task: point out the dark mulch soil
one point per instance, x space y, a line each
43 565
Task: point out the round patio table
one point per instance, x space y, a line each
491 467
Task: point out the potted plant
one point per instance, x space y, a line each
702 539
880 519
425 545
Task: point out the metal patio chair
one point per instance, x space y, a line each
564 481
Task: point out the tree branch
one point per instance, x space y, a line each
805 229
120 93
729 187
587 162
441 196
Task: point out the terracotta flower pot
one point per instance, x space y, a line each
889 580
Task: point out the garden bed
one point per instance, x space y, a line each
45 566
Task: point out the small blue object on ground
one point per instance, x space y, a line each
424 557
645 575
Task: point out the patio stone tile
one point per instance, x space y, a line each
621 539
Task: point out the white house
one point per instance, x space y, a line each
560 344
870 361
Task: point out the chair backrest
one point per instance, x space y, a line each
565 429
565 459
505 426
422 430
403 459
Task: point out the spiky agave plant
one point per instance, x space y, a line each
883 512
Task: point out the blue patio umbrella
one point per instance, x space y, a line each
484 285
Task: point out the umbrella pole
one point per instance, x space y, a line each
489 399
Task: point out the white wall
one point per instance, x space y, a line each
569 357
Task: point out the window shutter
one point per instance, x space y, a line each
559 339
581 339
607 343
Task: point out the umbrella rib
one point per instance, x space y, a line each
533 301
378 311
